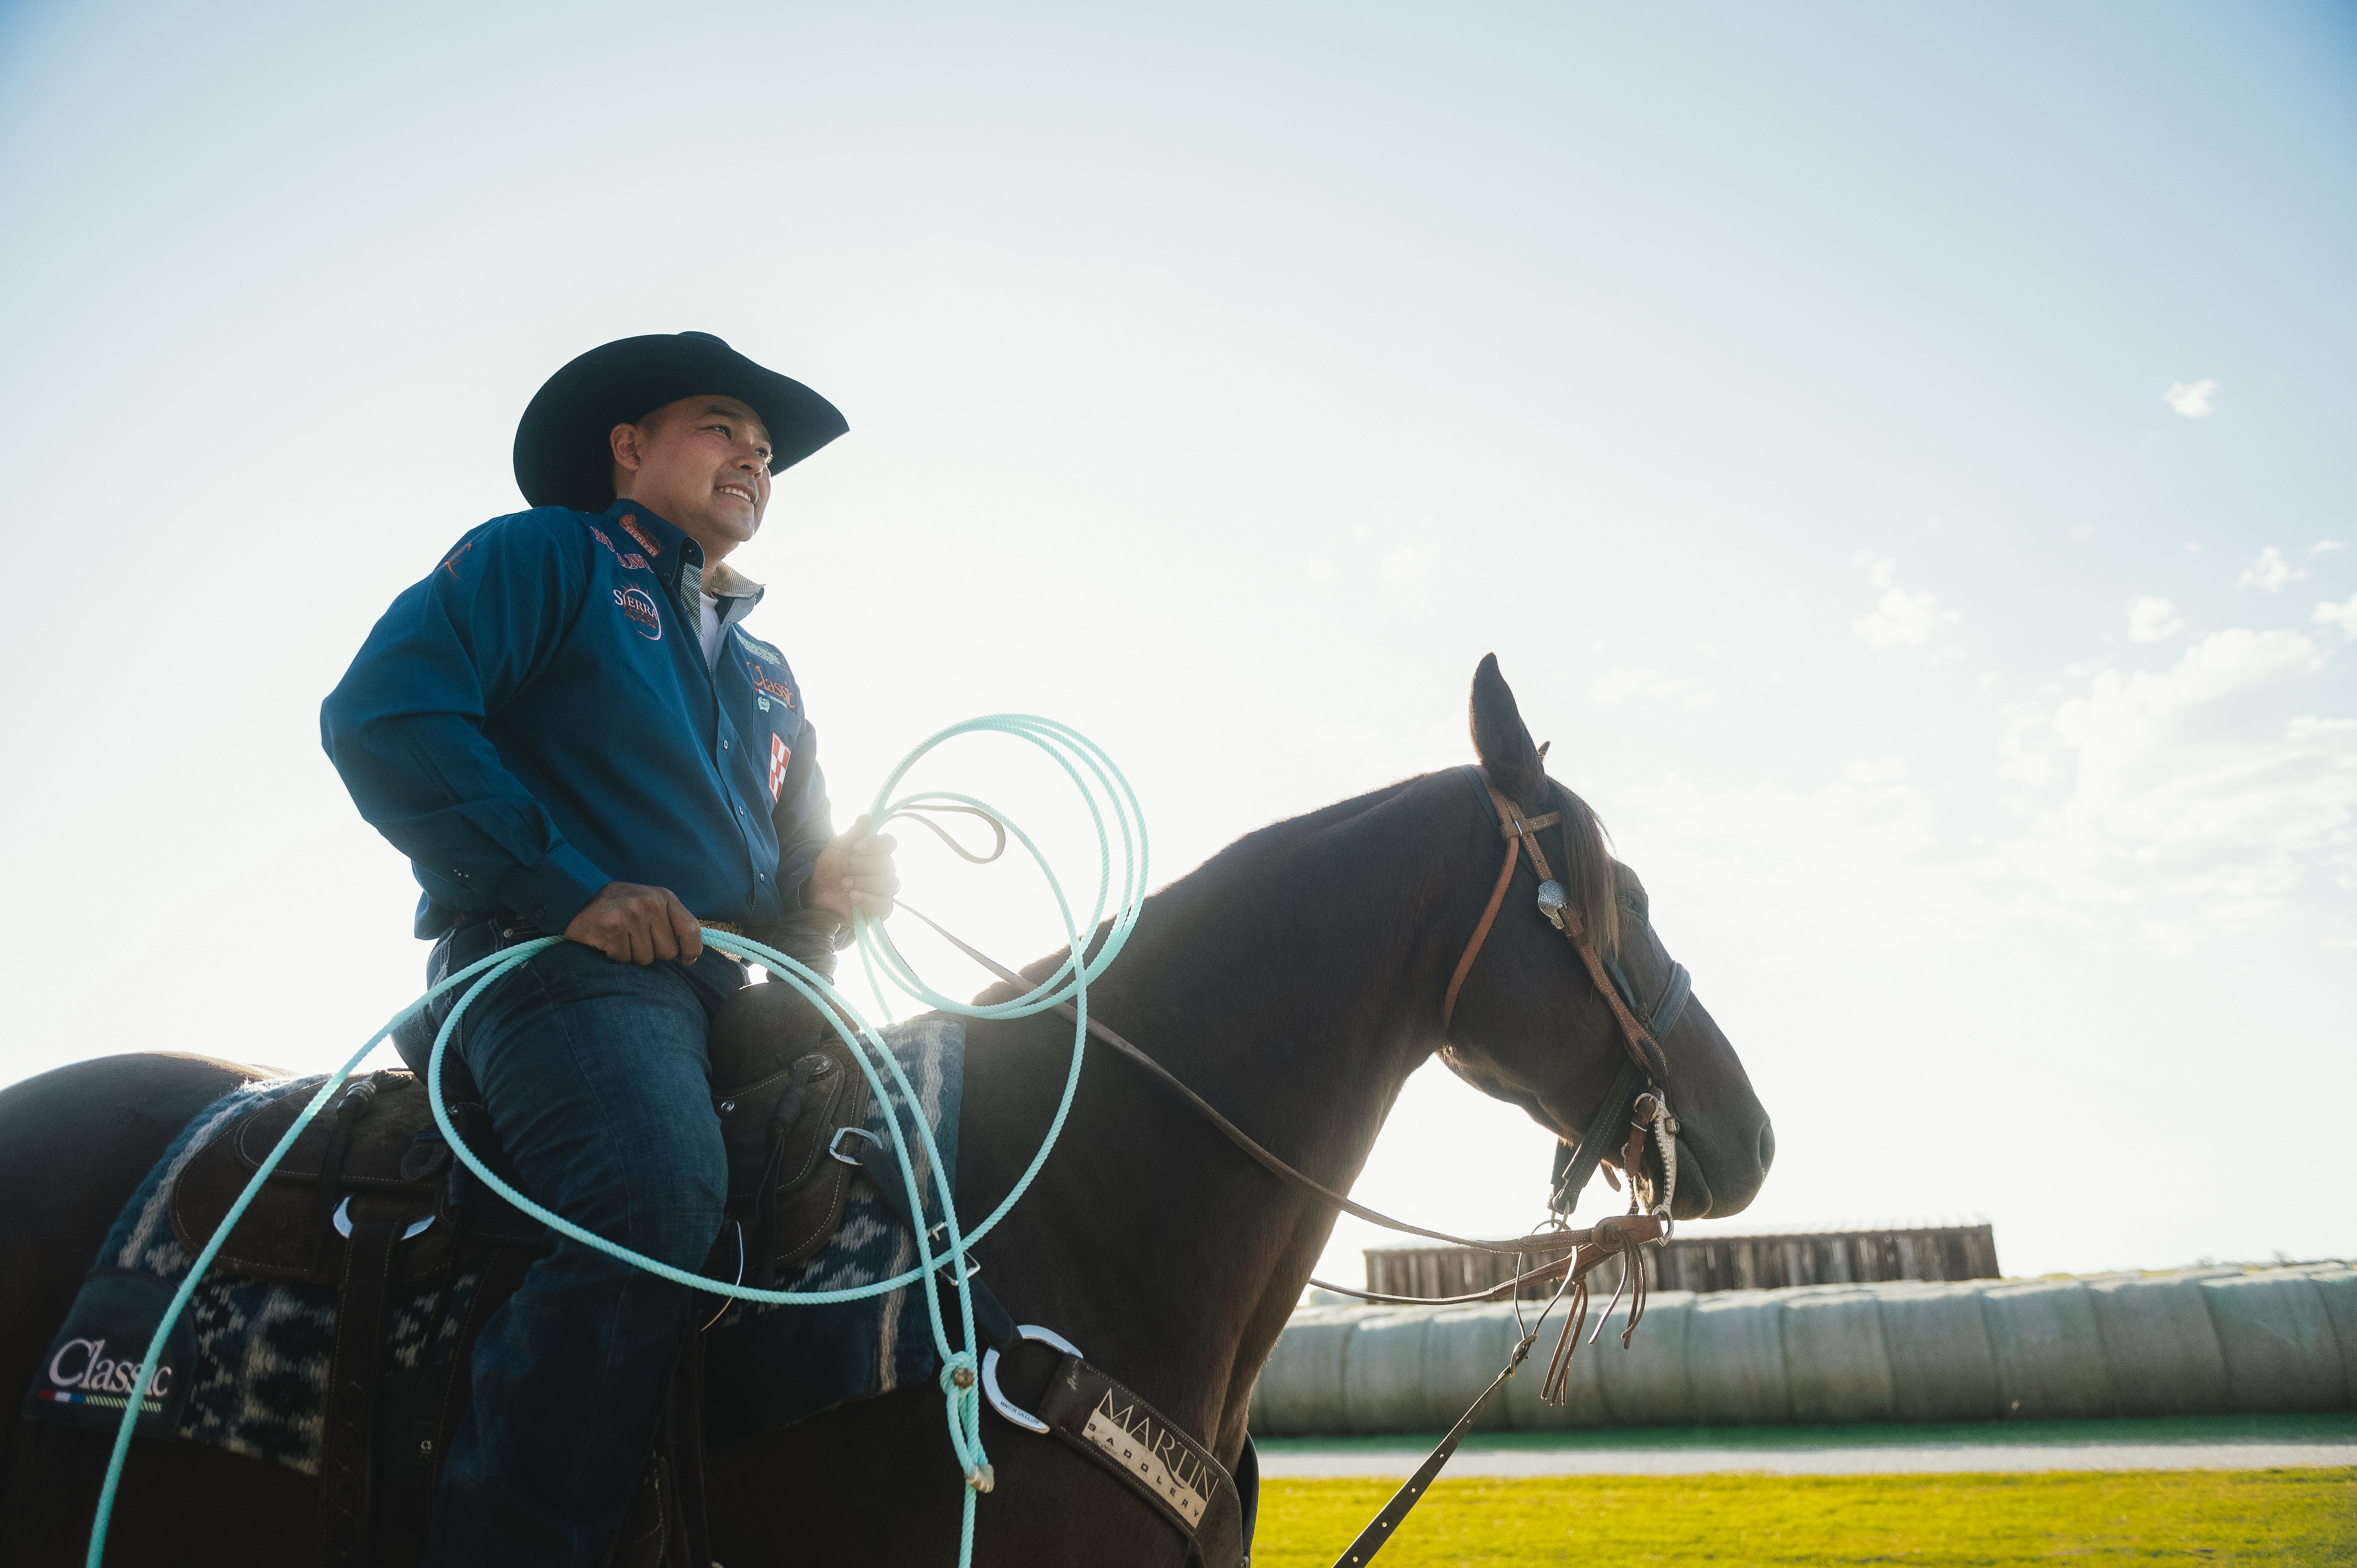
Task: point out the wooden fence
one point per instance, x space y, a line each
1714 1263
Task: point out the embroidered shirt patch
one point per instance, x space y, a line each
762 683
631 526
760 650
779 758
644 619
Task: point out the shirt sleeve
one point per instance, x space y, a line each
405 726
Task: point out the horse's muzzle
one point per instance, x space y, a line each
1697 1198
1692 1199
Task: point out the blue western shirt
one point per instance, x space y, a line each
536 719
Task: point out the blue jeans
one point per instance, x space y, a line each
594 1076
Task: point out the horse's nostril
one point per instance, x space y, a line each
1767 1144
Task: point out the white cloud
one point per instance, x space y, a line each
1320 568
1402 563
2344 616
2160 807
1621 685
2153 620
2270 572
2191 399
2191 798
1898 618
2326 546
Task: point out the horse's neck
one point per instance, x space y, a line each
1295 991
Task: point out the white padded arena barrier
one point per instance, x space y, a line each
2201 1342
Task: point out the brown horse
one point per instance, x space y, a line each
1294 981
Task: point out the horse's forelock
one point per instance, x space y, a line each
1587 880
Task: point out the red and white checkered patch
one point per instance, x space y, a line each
779 758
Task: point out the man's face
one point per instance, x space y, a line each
703 465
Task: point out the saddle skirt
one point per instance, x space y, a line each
377 1153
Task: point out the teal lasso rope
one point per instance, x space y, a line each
1095 774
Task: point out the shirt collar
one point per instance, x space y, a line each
660 539
724 581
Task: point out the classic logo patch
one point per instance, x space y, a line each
779 758
761 682
82 1373
631 526
641 612
93 1369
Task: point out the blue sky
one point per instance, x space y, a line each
1784 396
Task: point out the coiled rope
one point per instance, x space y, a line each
1093 774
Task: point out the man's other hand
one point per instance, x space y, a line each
855 873
632 924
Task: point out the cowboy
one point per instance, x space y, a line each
569 731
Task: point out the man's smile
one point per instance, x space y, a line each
736 490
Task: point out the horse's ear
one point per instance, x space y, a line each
1501 740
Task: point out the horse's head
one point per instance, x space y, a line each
1531 1025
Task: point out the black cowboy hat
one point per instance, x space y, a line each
562 454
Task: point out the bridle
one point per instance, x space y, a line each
1637 1095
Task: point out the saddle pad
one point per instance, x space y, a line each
767 1367
261 1347
252 1367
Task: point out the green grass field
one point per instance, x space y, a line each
2097 1517
2325 1426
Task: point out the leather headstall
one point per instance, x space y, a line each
1636 1095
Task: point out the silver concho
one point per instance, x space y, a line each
1552 901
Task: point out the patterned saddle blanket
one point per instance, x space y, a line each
248 1369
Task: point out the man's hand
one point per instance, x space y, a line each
855 872
632 924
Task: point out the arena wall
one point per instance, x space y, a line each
2200 1342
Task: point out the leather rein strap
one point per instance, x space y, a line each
1550 1240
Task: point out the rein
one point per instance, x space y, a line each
1644 1052
1550 1240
